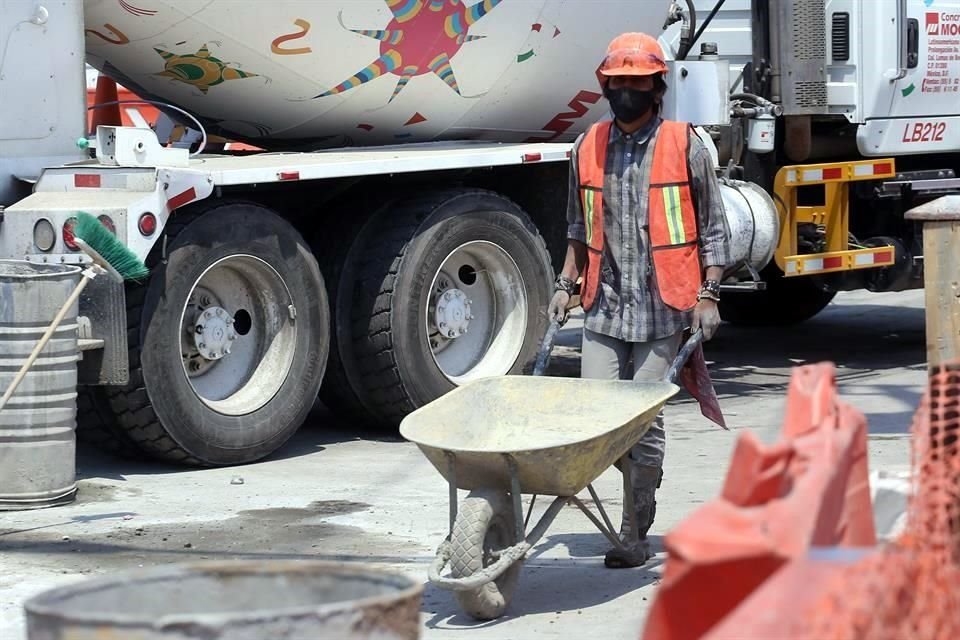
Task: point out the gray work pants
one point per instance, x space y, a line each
607 358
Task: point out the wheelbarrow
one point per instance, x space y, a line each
500 438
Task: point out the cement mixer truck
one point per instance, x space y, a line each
398 231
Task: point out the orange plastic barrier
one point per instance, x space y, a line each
909 589
809 489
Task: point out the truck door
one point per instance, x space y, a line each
917 106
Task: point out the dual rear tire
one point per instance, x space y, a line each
435 291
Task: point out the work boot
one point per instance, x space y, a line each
645 480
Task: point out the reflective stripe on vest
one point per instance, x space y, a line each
674 238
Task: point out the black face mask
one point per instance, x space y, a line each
627 104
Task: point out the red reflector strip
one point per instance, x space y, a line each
289 175
834 262
181 199
884 256
834 173
87 180
884 167
532 157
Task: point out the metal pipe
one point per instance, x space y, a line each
603 512
773 38
546 520
515 495
703 27
596 521
452 481
690 27
526 521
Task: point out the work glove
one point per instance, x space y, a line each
706 316
557 310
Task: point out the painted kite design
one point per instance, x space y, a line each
422 38
199 69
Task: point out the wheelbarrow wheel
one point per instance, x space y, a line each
483 527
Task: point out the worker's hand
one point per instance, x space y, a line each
557 310
706 316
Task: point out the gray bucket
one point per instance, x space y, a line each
245 600
37 427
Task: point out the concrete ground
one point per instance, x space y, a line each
333 493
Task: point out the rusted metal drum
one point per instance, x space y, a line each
244 600
37 426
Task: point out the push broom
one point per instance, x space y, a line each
109 257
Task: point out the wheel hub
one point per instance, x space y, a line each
214 334
452 316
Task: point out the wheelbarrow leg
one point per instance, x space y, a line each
611 535
603 512
452 475
518 518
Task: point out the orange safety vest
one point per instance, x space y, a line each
674 239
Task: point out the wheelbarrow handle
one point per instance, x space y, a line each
694 341
543 355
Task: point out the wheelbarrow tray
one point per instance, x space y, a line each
561 433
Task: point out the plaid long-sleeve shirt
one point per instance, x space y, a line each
628 306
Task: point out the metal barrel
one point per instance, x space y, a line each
37 426
242 600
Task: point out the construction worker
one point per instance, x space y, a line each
647 233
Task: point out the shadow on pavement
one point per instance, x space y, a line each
861 339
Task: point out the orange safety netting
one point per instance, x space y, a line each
911 587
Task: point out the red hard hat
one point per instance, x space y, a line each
632 54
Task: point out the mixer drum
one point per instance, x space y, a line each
330 74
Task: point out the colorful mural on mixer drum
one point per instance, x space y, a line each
199 69
422 38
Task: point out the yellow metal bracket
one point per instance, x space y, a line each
833 214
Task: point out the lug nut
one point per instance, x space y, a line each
198 328
451 333
202 346
443 325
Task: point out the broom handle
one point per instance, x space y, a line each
88 274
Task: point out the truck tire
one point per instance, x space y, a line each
97 426
484 525
467 262
336 247
786 301
240 274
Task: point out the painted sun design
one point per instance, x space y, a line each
199 69
421 38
